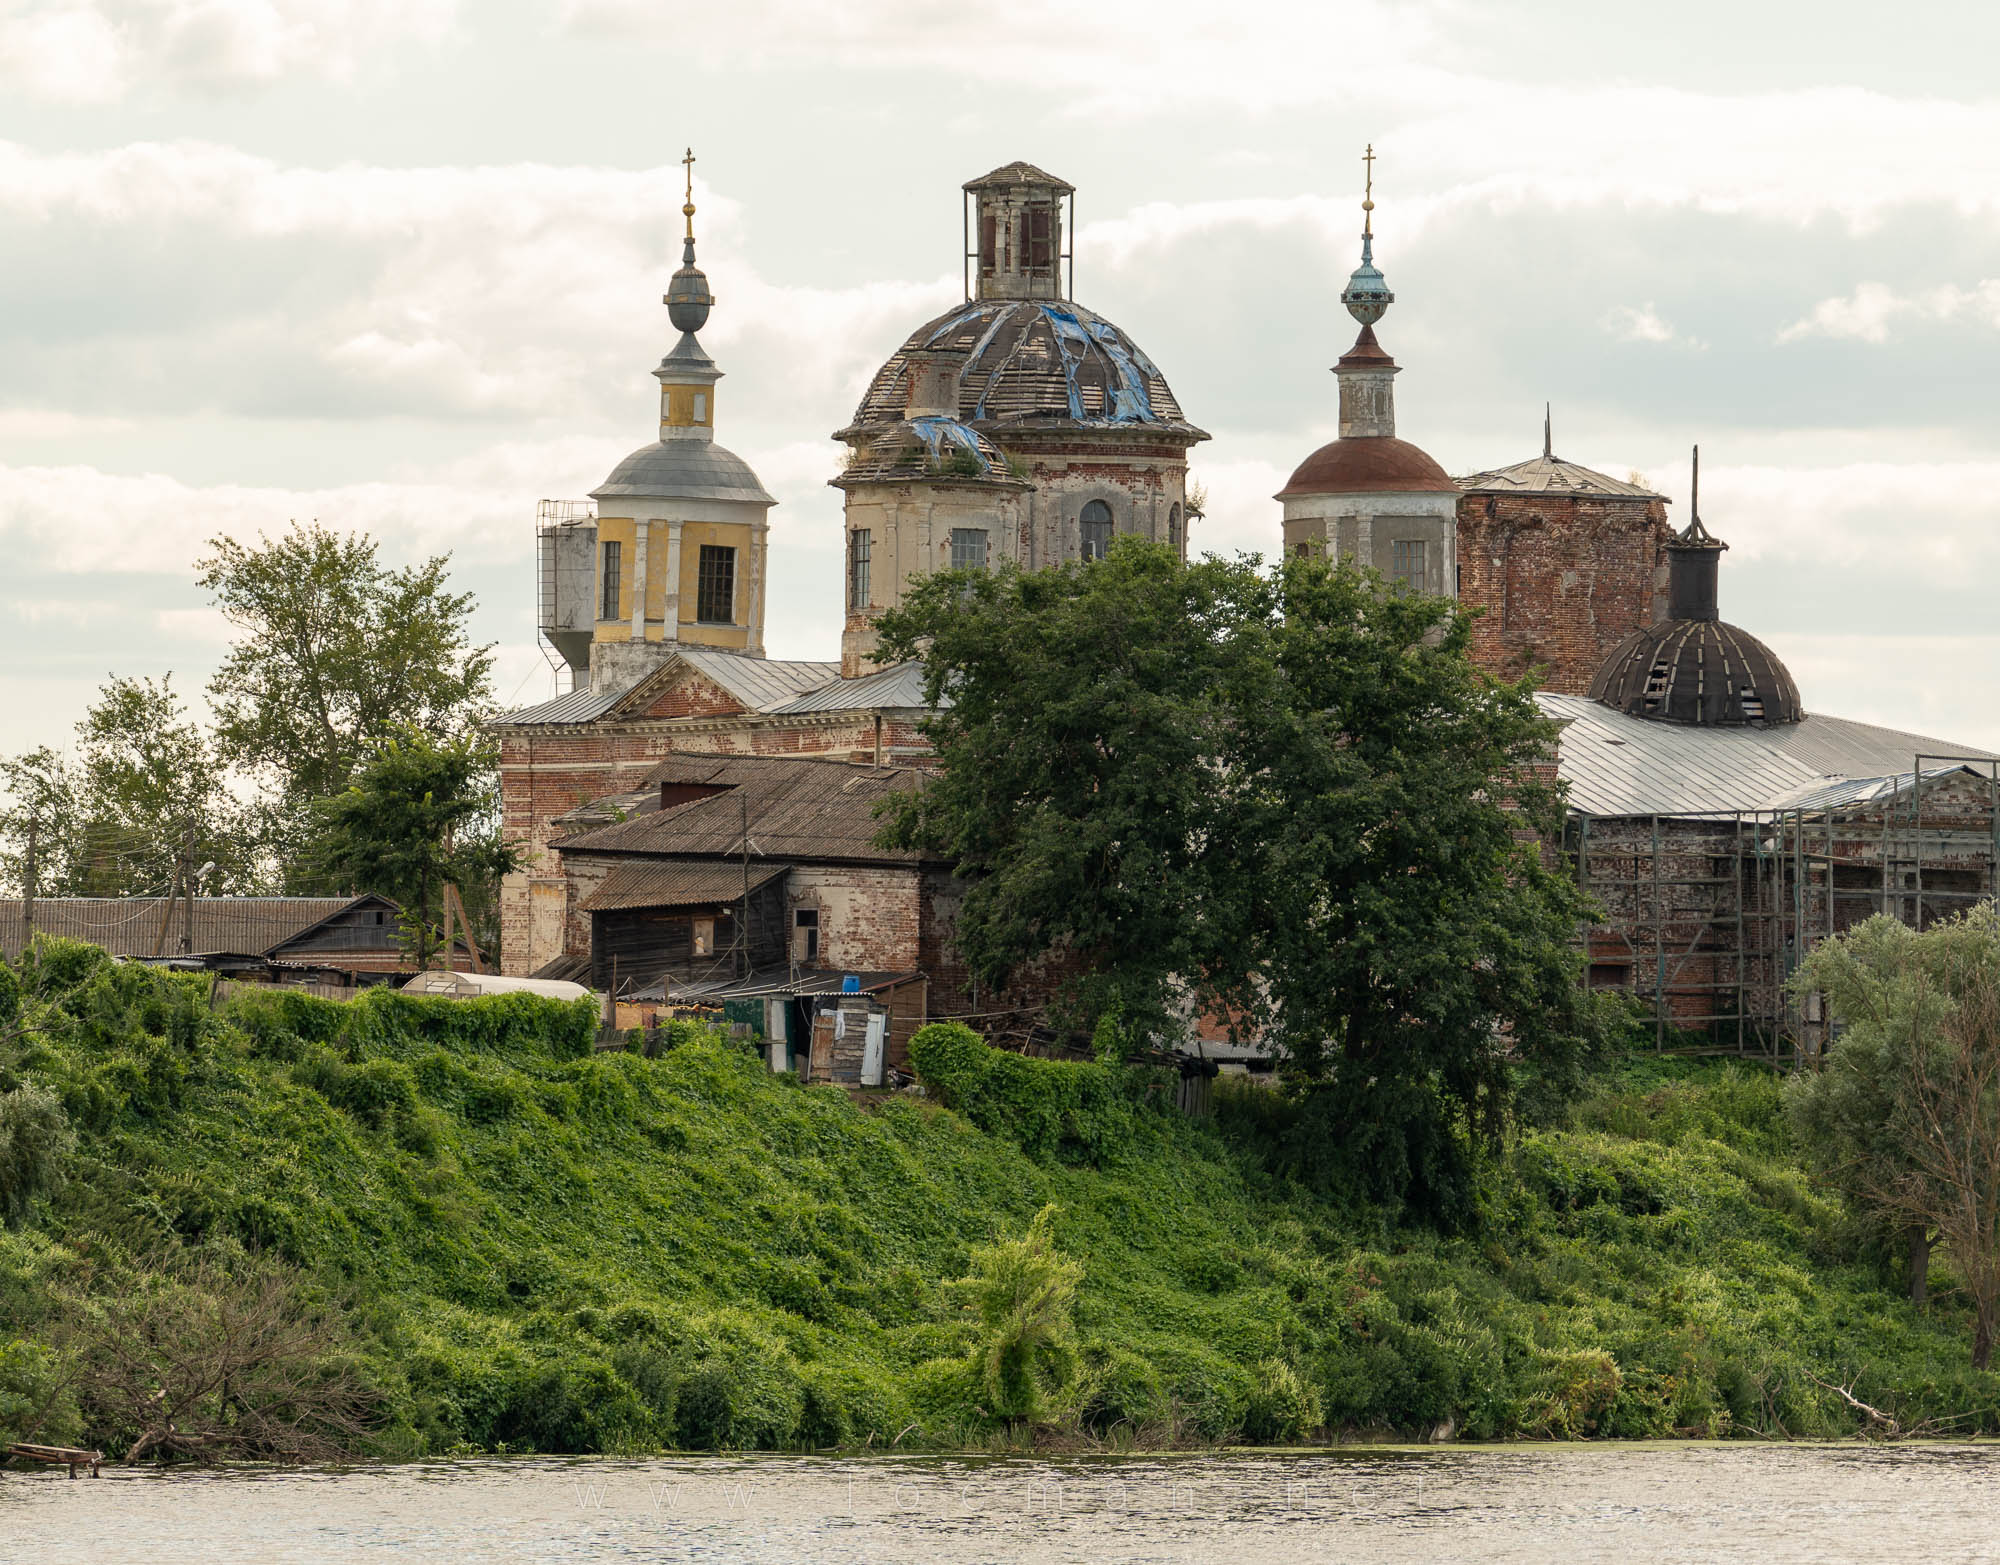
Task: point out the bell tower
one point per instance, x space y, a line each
1014 234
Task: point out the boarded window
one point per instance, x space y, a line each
860 546
607 581
715 586
1041 239
968 548
1406 563
701 407
1094 530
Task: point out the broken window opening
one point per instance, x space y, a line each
1041 230
805 923
1094 530
715 586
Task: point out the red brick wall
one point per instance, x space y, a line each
691 694
869 917
1562 578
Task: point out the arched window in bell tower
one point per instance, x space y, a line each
1094 529
1174 528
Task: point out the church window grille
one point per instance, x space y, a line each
715 585
860 545
607 580
1406 563
968 548
1094 530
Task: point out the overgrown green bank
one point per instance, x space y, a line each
518 1244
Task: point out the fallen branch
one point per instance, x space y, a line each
1875 1415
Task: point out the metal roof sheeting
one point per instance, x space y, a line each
1621 765
761 684
899 688
683 469
579 706
673 883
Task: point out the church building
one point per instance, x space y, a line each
1722 827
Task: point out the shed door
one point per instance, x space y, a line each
871 1050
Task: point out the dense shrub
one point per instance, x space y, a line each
534 1247
1057 1110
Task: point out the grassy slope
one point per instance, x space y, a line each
545 1249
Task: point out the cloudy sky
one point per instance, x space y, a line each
396 264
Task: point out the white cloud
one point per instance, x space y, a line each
1867 314
98 51
79 520
1644 324
1939 686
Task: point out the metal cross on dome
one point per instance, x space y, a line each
687 211
1368 194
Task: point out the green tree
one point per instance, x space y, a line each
151 789
1904 1115
43 802
1082 714
1412 955
335 652
421 813
1290 793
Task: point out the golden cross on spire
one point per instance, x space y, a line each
688 210
1368 195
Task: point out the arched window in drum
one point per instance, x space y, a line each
1094 529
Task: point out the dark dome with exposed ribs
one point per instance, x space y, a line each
1697 671
1034 362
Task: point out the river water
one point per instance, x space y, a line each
1631 1503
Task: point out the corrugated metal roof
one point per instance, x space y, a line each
677 883
800 808
1621 765
1552 475
129 926
897 688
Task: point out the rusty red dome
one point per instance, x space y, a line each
1368 464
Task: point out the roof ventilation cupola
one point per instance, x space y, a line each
1691 667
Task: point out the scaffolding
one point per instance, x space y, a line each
551 515
1708 915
